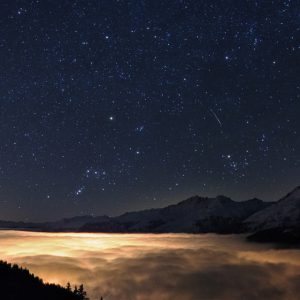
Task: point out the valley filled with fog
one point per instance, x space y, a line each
157 266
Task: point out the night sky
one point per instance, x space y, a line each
110 106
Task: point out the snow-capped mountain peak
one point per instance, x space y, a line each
284 213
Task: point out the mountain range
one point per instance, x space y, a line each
266 221
194 215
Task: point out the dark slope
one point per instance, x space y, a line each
283 213
17 283
278 223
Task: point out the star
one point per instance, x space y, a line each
97 101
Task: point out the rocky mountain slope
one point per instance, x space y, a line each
196 214
266 221
279 222
284 213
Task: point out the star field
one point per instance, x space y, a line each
110 106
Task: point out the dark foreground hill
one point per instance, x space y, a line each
17 284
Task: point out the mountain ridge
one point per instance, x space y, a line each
265 221
182 217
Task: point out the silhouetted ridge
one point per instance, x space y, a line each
280 222
17 283
294 193
193 199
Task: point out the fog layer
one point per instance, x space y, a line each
160 267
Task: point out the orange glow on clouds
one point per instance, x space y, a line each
162 267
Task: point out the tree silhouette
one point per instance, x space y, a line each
17 283
68 287
82 293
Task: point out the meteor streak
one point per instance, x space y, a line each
216 117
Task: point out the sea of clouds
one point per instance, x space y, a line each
160 267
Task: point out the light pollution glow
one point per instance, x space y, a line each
162 267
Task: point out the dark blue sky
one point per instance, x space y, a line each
109 106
